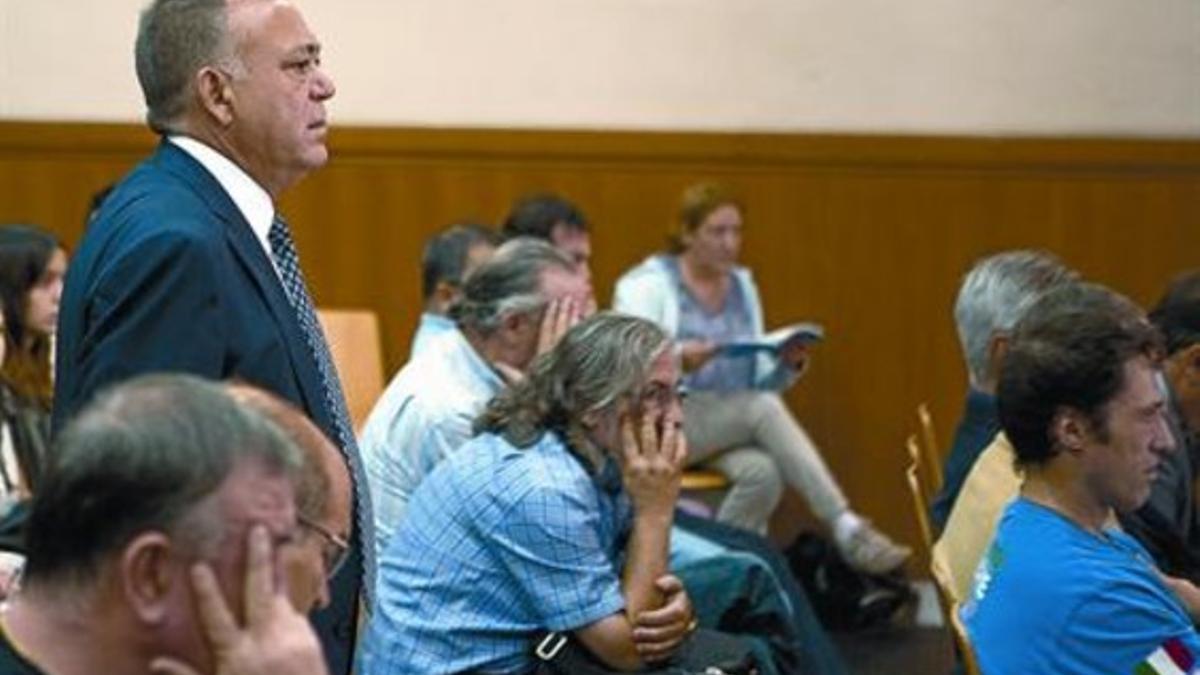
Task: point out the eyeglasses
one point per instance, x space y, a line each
663 395
334 549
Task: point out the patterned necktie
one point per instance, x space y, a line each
283 250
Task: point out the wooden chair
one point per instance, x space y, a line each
933 452
990 485
948 596
354 343
918 488
915 476
699 480
918 479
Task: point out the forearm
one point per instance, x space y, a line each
611 639
646 561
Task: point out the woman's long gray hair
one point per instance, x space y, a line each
598 362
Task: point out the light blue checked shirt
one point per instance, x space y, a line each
498 543
425 413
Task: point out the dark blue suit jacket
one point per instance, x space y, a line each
170 277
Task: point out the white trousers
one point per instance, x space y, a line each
753 439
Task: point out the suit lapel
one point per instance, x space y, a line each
249 252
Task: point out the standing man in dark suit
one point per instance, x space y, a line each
188 267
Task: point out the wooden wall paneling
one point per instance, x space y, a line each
869 235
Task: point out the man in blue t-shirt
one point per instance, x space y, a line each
1062 590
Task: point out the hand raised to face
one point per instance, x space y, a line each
654 451
561 314
275 638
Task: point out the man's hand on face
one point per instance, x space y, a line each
561 314
658 633
275 638
653 456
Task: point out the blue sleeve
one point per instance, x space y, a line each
156 308
1130 621
550 542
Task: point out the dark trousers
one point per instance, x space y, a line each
756 595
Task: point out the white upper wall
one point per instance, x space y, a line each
1086 67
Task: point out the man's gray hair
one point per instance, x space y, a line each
596 363
175 39
509 282
146 455
994 296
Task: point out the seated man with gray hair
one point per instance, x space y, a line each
514 306
993 297
140 530
556 517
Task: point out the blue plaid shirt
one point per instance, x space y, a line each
497 543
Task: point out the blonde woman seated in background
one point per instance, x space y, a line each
734 418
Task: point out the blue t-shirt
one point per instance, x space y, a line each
1052 598
497 543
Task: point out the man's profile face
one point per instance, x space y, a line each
279 92
1123 467
576 244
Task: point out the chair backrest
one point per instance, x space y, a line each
354 343
933 452
917 485
990 485
915 476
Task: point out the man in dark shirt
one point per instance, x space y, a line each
164 490
993 297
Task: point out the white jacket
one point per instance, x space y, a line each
649 291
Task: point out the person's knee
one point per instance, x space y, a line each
768 408
757 474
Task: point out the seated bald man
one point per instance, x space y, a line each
141 528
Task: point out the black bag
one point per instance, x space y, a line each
704 652
844 598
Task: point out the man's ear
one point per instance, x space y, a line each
215 94
148 573
1069 429
512 321
997 350
444 294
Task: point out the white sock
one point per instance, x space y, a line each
845 525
